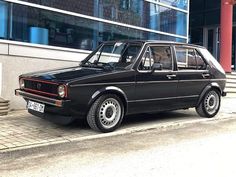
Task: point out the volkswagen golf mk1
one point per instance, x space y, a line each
127 77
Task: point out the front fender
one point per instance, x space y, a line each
111 90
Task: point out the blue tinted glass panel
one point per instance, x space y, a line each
38 26
133 12
181 4
167 20
3 19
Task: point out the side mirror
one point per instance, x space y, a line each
156 66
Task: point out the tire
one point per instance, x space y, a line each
106 113
210 104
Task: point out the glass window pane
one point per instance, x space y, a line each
146 61
39 26
182 4
196 36
167 20
186 58
201 65
162 55
114 55
212 17
133 12
3 19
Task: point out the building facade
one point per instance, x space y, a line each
45 34
205 27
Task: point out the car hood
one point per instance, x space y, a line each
66 74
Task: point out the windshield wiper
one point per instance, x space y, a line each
108 66
88 64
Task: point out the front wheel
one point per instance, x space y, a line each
106 113
210 104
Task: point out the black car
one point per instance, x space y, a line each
127 77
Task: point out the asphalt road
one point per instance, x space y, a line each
200 149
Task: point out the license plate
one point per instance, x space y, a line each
36 106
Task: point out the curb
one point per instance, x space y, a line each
71 142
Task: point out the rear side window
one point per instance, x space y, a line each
189 59
157 54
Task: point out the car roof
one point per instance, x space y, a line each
155 42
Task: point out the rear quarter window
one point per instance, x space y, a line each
207 55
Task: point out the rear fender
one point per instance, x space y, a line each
212 85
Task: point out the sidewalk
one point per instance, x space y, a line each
20 130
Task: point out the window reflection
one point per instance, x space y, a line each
28 24
181 4
133 12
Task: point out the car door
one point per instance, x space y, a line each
155 90
192 74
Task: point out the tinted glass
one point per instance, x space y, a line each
162 55
114 55
210 58
39 26
133 12
182 4
201 65
186 58
79 5
157 54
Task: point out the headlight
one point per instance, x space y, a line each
61 91
22 83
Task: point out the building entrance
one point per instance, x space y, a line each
211 40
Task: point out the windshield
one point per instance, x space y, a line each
119 55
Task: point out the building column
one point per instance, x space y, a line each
226 34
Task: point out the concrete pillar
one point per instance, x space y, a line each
226 34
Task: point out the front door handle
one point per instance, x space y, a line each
171 76
205 75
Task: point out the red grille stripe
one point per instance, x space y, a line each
46 82
36 80
37 91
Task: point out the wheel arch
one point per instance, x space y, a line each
110 90
212 85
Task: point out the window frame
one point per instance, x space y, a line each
196 52
156 45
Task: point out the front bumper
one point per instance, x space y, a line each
42 99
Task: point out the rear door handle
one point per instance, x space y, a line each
205 75
171 76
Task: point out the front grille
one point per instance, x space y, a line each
41 87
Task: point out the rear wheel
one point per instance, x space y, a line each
106 113
210 104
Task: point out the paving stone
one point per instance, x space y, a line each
22 129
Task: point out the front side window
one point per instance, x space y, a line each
156 54
119 55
